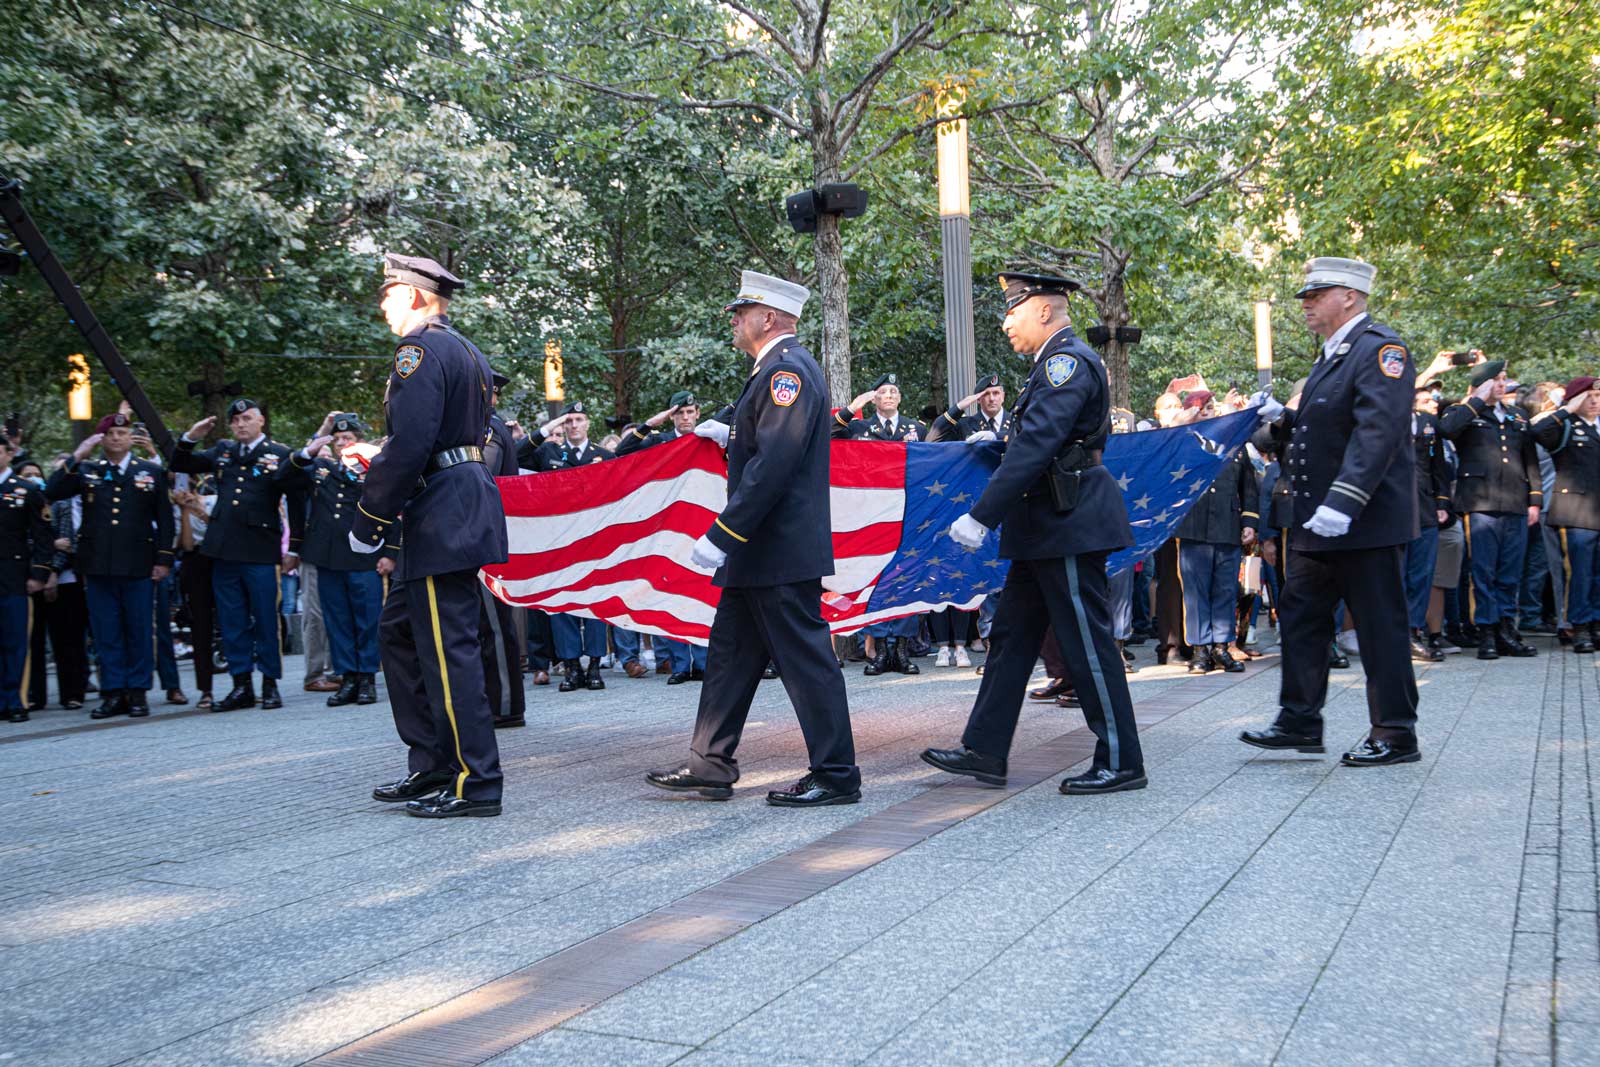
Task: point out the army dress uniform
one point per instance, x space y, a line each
956 425
1209 550
1058 548
1346 448
27 544
127 530
429 481
775 532
1497 480
1573 511
348 585
1433 496
244 539
641 435
500 640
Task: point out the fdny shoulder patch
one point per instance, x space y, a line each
1059 369
1392 360
785 386
407 358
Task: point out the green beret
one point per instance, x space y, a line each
682 398
1487 371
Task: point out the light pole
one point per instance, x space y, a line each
555 392
955 229
80 397
1263 343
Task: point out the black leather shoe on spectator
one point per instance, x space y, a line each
595 681
18 715
962 760
412 786
808 792
269 694
242 695
1582 643
1221 657
1336 657
1276 737
575 678
450 806
138 705
1201 664
346 693
1104 780
683 780
680 677
1050 690
1421 652
366 689
113 705
1374 753
509 722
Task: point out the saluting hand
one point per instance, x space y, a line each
86 446
968 401
201 428
862 401
659 417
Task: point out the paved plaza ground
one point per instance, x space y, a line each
219 889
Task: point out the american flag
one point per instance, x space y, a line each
612 541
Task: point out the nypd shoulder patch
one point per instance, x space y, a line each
407 358
1392 360
785 386
1059 369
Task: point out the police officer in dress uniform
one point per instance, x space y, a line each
1572 438
891 651
125 546
348 586
1063 515
770 549
1346 455
431 482
991 417
498 638
1210 543
1499 491
1433 512
27 543
244 538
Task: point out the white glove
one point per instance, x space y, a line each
981 435
715 431
1268 407
1328 522
968 531
707 556
358 545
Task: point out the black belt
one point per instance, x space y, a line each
451 457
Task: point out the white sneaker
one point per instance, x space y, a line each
961 656
943 658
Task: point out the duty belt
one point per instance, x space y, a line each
451 457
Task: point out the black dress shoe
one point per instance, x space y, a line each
679 678
810 793
683 780
509 722
1375 753
1276 737
412 786
575 678
771 672
962 760
1221 657
138 705
366 689
1050 690
879 663
1201 664
114 704
242 695
698 674
595 681
1336 657
1069 699
1104 780
1582 644
270 700
1488 648
1421 653
17 715
1508 642
346 693
900 656
450 806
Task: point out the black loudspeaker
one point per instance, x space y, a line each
843 199
1129 335
1098 335
10 264
802 211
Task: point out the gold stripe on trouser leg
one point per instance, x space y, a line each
444 682
1566 571
1183 601
1472 586
27 655
279 624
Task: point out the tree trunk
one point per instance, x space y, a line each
623 376
833 282
1113 308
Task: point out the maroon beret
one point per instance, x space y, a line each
116 418
1581 384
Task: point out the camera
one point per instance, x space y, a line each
1462 358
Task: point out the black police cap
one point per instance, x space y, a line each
500 380
1018 286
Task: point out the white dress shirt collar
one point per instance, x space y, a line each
1340 334
768 347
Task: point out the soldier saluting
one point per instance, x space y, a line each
431 483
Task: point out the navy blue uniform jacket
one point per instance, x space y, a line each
1228 505
127 526
1574 447
244 526
776 527
1433 471
1065 400
1348 444
27 538
439 399
335 489
1499 467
